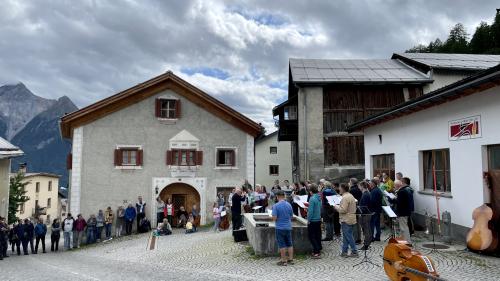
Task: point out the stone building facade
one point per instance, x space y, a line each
162 138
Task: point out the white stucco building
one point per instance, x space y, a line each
162 138
7 152
454 129
273 160
43 191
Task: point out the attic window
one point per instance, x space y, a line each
168 108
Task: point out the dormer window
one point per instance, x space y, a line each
168 108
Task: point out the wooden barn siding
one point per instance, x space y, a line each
344 105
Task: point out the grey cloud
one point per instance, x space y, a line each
91 49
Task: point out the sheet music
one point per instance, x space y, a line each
257 207
300 200
334 199
223 213
270 212
389 211
390 195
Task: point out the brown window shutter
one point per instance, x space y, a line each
118 157
199 158
169 157
233 158
139 157
178 109
69 161
157 107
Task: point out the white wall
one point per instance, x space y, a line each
445 77
263 159
428 129
4 186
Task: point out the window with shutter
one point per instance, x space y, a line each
226 157
129 156
69 161
168 108
199 158
182 157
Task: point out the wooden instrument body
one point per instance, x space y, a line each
399 257
224 223
480 237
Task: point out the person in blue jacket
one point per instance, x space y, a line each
130 215
40 232
314 221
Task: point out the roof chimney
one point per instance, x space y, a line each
23 168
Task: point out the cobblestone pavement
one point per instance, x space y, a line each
213 256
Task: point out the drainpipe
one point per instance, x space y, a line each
306 164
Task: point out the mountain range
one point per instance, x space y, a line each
32 123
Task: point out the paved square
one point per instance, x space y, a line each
213 256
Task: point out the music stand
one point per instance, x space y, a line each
390 213
364 211
434 248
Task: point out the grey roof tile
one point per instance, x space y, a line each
453 61
318 70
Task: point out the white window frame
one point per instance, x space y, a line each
235 167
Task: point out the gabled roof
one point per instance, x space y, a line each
324 71
149 88
8 150
450 61
468 86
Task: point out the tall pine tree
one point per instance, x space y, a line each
16 195
485 40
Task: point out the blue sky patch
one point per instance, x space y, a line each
261 18
207 71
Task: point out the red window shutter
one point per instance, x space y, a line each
199 158
169 157
118 157
69 161
178 109
139 157
233 158
157 107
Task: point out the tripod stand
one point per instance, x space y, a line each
366 259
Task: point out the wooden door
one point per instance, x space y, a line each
383 163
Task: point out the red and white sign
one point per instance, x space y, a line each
465 128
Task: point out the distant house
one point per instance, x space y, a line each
162 138
273 160
7 152
325 96
448 140
42 190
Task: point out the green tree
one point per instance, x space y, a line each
481 40
457 40
495 35
420 48
436 46
16 195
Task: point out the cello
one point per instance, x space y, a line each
480 237
402 263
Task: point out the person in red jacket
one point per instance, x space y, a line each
79 228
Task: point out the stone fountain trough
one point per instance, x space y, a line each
260 230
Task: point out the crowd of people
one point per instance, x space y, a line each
356 218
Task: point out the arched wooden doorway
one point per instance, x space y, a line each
182 195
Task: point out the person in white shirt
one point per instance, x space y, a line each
68 231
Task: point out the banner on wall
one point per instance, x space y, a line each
465 128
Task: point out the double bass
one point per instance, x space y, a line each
480 237
402 263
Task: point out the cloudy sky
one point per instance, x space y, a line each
236 51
